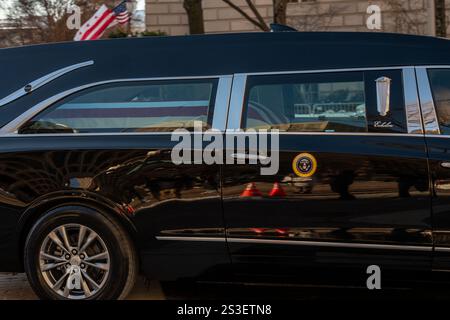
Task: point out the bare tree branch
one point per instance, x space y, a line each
405 21
258 16
263 26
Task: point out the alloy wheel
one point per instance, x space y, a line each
74 261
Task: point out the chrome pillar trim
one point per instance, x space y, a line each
236 108
413 115
27 89
222 102
207 239
430 120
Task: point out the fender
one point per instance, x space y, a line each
78 198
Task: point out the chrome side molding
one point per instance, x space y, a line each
301 243
30 87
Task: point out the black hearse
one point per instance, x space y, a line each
89 195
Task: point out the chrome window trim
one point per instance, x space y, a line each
324 70
428 109
411 96
412 106
440 136
32 86
13 126
300 243
220 114
236 107
365 134
435 67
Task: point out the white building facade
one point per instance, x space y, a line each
407 16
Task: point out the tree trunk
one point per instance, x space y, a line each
194 11
279 11
441 24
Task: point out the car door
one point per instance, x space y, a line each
434 92
352 185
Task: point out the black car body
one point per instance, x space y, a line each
71 141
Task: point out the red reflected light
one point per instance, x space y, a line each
257 230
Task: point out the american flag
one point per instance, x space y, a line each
122 14
104 18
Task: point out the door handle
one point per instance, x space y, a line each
445 164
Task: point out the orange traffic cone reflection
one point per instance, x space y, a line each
277 191
251 191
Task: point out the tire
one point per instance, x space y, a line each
107 256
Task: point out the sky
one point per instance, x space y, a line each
140 6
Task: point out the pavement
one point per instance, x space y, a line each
16 287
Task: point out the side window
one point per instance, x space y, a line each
325 102
329 102
161 106
440 87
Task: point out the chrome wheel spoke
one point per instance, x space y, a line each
63 232
49 266
66 288
53 258
102 266
100 256
85 286
81 235
91 281
54 237
89 240
60 282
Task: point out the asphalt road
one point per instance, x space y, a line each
16 287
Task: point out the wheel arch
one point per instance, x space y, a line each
40 207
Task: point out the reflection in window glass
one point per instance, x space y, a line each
163 106
440 86
308 103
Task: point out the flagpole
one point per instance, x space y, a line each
129 21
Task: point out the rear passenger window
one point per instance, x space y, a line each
326 102
130 107
307 102
440 87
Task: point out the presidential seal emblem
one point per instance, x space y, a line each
304 165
